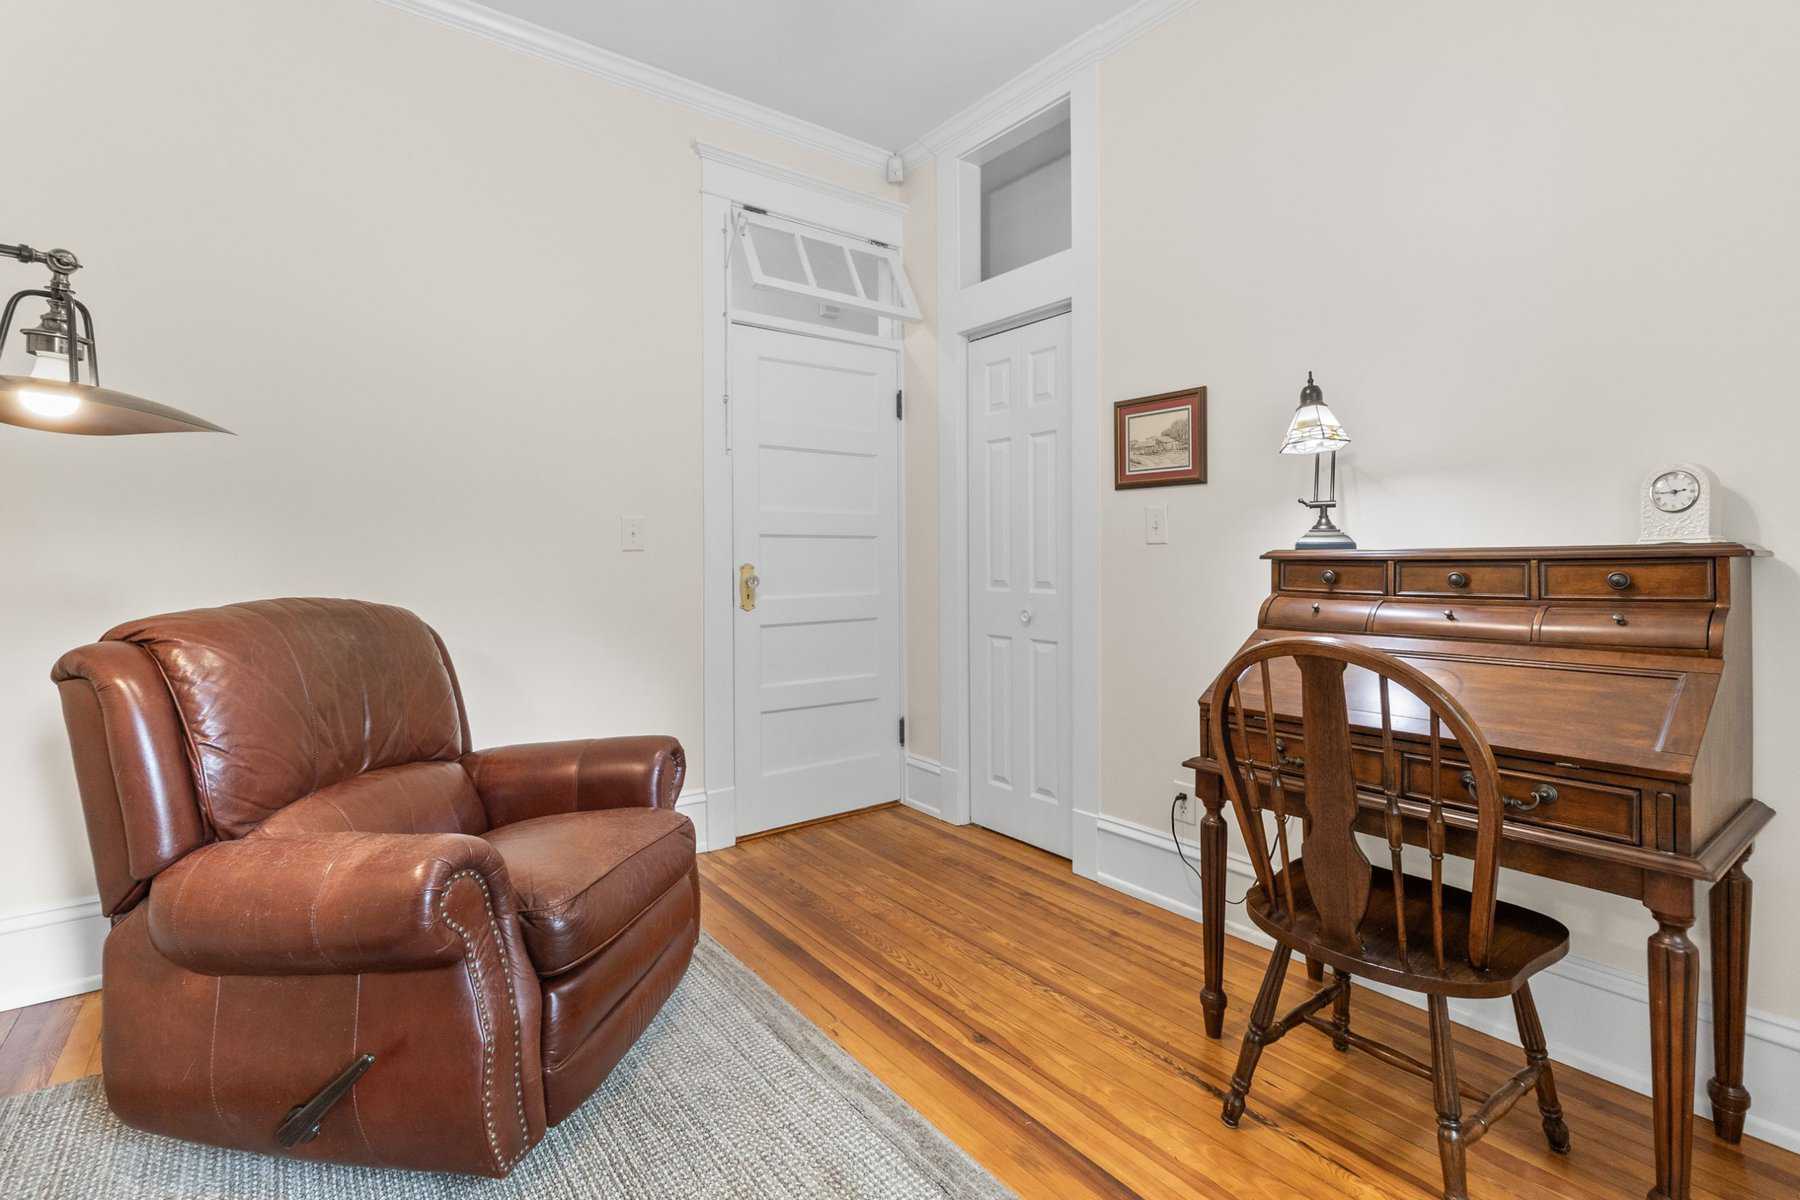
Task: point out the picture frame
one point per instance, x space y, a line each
1160 440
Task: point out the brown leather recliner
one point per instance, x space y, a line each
305 862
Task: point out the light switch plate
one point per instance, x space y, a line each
1156 525
631 533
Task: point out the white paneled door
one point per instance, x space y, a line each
1019 673
815 526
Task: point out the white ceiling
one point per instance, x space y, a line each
883 72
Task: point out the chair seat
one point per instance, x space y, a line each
1524 942
582 878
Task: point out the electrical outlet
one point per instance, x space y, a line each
1156 525
1184 809
631 533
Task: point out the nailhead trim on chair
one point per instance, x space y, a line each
472 965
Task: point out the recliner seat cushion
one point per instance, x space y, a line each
583 878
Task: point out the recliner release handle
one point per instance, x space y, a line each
302 1122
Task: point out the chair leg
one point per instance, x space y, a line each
1537 1054
1451 1147
1261 1017
1340 1014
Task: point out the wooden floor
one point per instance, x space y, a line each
1050 1026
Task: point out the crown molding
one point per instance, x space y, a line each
1103 39
522 35
781 174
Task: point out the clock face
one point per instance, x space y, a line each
1675 491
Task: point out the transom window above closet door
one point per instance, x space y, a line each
816 264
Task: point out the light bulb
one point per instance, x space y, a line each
51 367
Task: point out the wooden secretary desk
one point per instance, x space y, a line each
1614 685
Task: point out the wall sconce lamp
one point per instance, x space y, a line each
1315 430
53 397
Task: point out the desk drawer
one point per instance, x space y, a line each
1324 615
1590 808
1653 579
1365 761
1649 625
1494 580
1346 577
1447 619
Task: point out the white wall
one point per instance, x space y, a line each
448 297
1531 251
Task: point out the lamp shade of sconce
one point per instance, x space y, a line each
1314 428
53 397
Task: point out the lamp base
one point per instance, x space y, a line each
1326 539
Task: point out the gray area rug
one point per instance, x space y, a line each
730 1093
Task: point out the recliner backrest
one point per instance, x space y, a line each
260 705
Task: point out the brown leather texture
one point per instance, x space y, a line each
367 895
581 878
517 783
575 1079
456 1084
280 698
131 767
434 797
319 904
578 1002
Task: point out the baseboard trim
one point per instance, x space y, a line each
693 805
1594 1014
51 952
924 786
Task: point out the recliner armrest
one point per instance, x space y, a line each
540 779
330 904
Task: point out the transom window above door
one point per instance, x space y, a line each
823 267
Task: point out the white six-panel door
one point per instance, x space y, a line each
815 476
1019 670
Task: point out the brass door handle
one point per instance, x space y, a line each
748 582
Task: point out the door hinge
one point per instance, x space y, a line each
903 731
899 405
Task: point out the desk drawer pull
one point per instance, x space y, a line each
1283 758
1618 581
1458 579
1328 577
1543 793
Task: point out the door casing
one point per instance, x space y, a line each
728 177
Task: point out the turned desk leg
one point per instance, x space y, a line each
1674 990
1730 927
1212 901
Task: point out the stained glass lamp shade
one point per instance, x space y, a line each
1314 428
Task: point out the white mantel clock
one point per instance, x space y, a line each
1680 504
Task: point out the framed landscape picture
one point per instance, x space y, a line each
1160 440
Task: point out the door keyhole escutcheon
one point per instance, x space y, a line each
748 582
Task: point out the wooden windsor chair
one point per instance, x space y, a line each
1331 905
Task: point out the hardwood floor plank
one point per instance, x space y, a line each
1033 980
82 1044
33 1044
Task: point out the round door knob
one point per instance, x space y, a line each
1458 579
1328 576
1024 616
1618 581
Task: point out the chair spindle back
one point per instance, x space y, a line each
1338 875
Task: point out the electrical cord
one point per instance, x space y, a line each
1176 837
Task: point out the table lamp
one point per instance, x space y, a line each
1315 430
53 397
